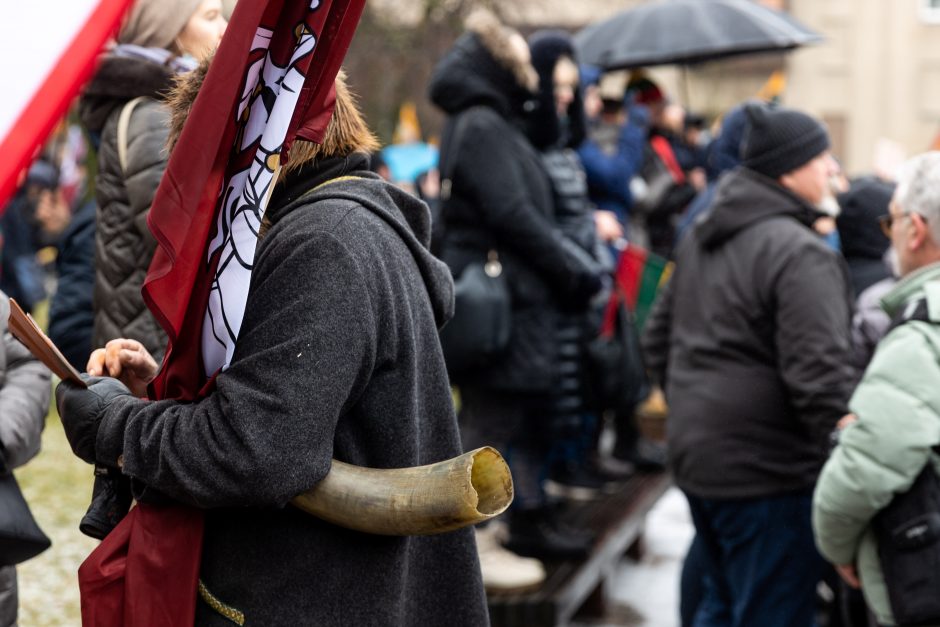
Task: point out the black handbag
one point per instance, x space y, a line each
616 377
479 331
908 536
907 532
20 536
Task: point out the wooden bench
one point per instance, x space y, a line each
571 586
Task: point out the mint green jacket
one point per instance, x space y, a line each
880 455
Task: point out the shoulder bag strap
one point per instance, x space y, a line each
447 167
448 161
124 121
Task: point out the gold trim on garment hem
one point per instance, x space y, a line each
227 611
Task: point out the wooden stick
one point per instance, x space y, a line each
25 329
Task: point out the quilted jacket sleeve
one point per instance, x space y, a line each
146 158
898 411
24 398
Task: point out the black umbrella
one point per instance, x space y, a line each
688 31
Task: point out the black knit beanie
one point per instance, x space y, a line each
780 140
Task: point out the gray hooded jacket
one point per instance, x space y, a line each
24 401
338 357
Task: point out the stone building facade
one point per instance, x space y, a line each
876 80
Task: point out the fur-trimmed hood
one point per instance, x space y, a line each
118 80
496 37
484 68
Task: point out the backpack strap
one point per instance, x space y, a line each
914 311
124 122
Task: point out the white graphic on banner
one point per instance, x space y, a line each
264 114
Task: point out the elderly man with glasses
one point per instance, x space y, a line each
888 438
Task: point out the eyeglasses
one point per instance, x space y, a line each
887 221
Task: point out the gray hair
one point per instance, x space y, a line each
918 189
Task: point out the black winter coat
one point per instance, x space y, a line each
752 338
124 245
71 317
338 357
502 198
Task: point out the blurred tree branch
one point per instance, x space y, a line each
394 53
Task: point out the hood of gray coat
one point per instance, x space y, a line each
745 197
407 216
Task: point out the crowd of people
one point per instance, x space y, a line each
795 341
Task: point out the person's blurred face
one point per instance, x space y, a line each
565 79
592 102
811 180
203 32
52 211
910 234
673 118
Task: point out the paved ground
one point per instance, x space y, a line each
651 587
646 593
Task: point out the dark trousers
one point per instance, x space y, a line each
692 583
515 425
761 561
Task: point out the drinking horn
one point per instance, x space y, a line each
417 501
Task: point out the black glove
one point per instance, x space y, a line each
81 411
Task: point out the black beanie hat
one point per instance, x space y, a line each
780 140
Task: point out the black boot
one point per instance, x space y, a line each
582 481
631 447
537 533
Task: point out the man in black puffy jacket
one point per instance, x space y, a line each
752 340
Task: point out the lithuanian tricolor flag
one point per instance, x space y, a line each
639 275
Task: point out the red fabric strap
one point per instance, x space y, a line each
663 148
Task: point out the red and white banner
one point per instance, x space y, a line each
270 83
46 55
